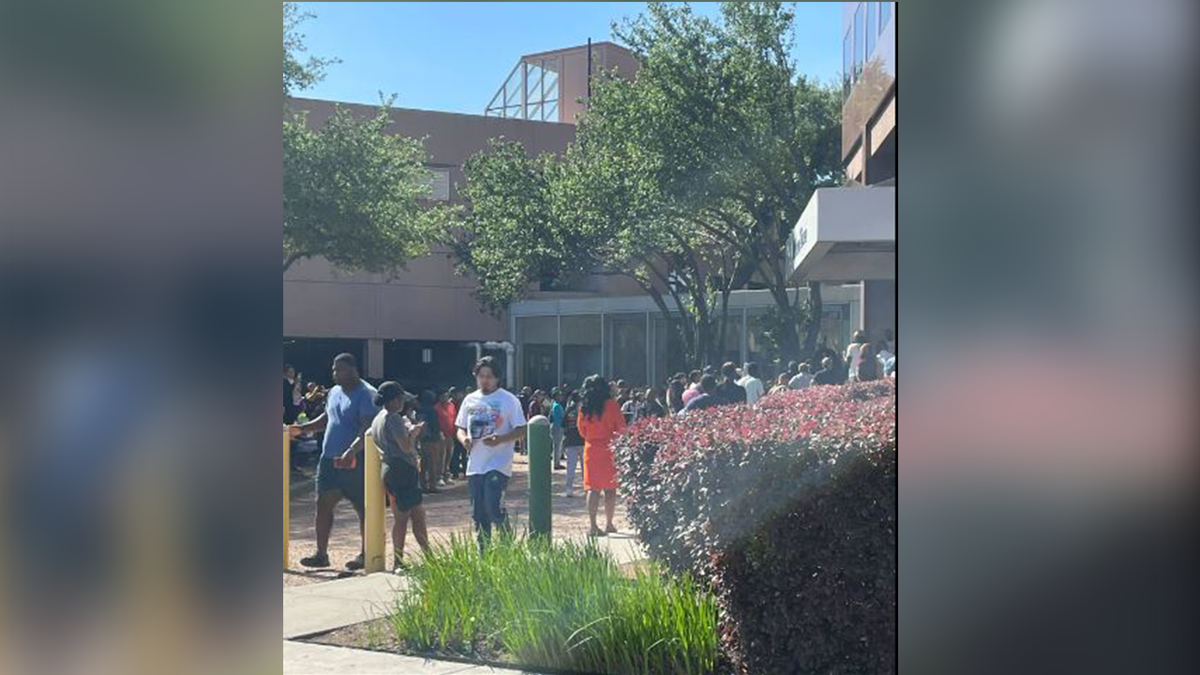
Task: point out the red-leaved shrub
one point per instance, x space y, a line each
787 510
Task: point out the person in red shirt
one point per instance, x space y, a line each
447 410
600 419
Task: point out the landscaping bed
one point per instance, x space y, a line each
566 607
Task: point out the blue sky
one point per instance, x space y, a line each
453 56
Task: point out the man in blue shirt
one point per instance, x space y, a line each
556 426
349 410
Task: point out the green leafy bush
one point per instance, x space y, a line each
564 606
787 511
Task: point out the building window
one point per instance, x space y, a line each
859 42
847 63
439 183
872 9
885 13
580 347
537 351
625 347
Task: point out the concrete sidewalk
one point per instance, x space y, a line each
302 658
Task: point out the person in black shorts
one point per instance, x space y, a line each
396 437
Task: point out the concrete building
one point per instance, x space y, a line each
848 234
424 327
422 324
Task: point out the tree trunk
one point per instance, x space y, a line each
813 325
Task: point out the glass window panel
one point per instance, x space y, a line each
551 85
859 43
835 327
535 111
537 351
551 112
535 84
758 348
668 349
625 347
885 13
580 348
871 32
513 91
847 62
731 347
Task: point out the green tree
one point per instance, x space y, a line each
352 192
743 138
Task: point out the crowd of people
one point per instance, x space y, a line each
431 440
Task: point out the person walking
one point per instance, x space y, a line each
599 420
572 440
490 420
752 384
557 412
349 410
396 437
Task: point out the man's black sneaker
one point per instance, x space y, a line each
316 560
356 564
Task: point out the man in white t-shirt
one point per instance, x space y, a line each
752 384
490 420
854 354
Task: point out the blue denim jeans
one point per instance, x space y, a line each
487 498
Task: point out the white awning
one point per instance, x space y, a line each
845 234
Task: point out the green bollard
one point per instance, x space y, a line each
538 437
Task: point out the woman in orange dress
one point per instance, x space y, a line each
600 419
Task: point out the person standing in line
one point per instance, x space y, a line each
446 413
430 443
854 355
349 411
693 389
556 427
396 437
729 391
868 363
490 420
292 398
654 405
828 374
752 384
883 355
792 369
708 397
572 440
459 460
802 379
675 389
781 384
599 420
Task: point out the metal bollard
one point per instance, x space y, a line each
374 541
287 488
538 437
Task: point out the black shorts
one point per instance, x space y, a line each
347 481
400 479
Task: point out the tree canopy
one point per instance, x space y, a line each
352 191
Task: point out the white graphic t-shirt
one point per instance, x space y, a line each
496 413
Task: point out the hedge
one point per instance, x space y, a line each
787 511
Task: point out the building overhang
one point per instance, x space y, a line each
845 234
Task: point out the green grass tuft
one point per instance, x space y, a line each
564 606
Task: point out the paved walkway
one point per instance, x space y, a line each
300 658
446 513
